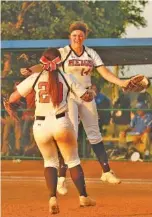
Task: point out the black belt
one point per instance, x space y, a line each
42 118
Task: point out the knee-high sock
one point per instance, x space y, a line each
77 176
50 174
62 166
101 155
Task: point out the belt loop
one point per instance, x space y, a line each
42 118
60 115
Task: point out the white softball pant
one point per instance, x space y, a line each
53 132
89 117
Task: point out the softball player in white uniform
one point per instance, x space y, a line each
81 67
53 128
80 60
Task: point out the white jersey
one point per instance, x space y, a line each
80 66
43 101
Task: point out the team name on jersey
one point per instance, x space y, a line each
77 62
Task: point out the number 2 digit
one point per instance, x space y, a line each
43 93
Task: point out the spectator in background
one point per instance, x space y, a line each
8 125
2 123
121 117
102 102
146 98
140 131
6 69
28 143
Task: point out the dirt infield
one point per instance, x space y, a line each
24 193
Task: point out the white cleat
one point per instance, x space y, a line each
110 177
53 206
86 201
62 186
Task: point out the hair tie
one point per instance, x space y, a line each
50 65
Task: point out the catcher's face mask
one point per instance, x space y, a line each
50 65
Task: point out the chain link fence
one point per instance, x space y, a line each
17 140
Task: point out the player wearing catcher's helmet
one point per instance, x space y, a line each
52 126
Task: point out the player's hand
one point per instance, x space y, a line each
33 69
88 96
11 109
25 71
136 83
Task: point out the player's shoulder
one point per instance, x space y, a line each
91 52
32 77
64 50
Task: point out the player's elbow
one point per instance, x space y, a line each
14 97
11 99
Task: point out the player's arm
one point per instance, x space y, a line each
109 76
105 72
23 88
33 69
15 97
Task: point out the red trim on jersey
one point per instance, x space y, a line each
76 53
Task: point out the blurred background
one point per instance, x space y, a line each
120 31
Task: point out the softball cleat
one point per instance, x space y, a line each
62 186
53 206
86 201
110 177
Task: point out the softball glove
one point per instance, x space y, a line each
137 83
